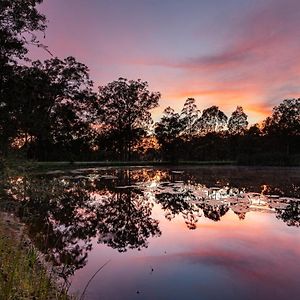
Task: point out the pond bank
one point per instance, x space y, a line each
23 274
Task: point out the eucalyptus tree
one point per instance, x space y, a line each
189 115
238 123
123 113
212 120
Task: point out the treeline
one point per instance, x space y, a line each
212 136
50 111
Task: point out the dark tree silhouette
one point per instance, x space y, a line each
168 131
19 21
189 115
254 130
51 105
124 112
285 119
212 120
284 124
237 123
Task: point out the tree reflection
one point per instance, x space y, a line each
124 220
214 212
177 203
60 222
64 216
291 214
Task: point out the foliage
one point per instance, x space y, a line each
19 20
21 274
189 115
49 104
168 131
238 123
285 119
212 120
124 112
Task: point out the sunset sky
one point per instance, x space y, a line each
228 53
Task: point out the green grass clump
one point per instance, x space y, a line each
21 274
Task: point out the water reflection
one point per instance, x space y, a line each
66 212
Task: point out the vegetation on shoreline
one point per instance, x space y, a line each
22 276
50 111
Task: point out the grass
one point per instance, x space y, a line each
22 276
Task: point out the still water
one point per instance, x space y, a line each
170 233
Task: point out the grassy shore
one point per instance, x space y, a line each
22 275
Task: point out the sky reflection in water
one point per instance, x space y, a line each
203 233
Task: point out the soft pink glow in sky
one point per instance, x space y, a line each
228 53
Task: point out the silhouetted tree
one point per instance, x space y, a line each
189 115
53 105
254 130
19 20
212 120
285 119
284 123
168 131
124 112
237 123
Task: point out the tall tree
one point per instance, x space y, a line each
189 115
168 131
285 119
124 112
51 104
237 123
212 120
19 21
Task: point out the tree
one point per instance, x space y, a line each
254 130
285 119
237 123
212 120
189 115
19 21
50 104
124 113
168 131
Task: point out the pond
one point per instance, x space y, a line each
168 233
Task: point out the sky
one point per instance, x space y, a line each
224 53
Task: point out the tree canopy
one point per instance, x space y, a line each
19 20
285 119
124 112
212 120
237 123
